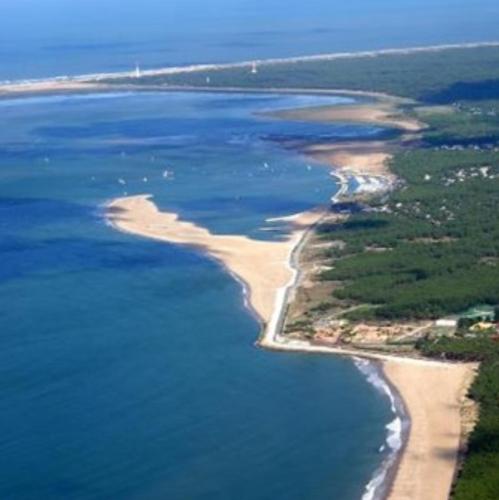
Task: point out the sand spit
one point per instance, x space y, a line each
356 157
262 265
382 112
54 86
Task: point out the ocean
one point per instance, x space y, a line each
128 367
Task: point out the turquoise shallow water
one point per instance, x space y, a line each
128 367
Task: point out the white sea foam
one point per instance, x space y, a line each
394 438
395 429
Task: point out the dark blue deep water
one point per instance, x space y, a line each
127 367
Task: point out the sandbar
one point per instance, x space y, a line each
264 266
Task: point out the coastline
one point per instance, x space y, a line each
431 445
263 266
67 83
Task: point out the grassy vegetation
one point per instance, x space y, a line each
479 477
437 77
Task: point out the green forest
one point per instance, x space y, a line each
479 477
433 247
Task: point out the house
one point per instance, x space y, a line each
446 323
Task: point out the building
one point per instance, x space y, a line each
478 314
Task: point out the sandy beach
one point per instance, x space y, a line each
433 394
358 157
264 266
384 111
367 158
52 86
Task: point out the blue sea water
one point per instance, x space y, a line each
128 367
58 37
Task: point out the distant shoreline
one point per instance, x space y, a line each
100 81
169 70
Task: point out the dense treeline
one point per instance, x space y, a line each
476 123
479 477
437 77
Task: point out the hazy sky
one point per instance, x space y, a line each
89 18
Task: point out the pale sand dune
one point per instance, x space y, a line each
262 265
433 394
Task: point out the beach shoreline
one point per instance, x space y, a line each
434 421
68 81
